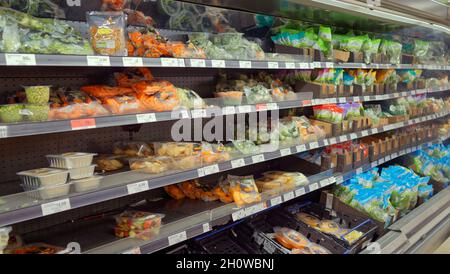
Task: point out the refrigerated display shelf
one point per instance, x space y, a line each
35 128
217 213
17 59
22 206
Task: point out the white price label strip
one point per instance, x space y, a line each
339 180
343 138
314 145
300 148
177 238
132 62
325 142
332 180
134 251
255 209
374 164
272 65
198 113
137 187
184 114
145 118
285 152
208 170
304 65
313 186
198 63
228 110
20 59
218 63
55 207
3 132
394 155
329 65
332 141
272 106
245 64
359 170
364 133
244 109
299 192
258 158
237 215
290 65
237 163
276 201
324 182
353 136
170 62
342 100
98 61
206 227
374 130
288 196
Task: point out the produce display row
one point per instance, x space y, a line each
32 204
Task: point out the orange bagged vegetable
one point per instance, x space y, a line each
101 91
161 101
107 32
123 104
174 191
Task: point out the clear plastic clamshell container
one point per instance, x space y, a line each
81 172
42 177
71 160
87 184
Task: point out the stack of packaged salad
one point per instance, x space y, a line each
434 161
384 195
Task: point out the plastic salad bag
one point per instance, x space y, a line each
392 49
107 32
243 190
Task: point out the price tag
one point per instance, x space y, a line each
364 133
255 209
285 152
237 163
342 99
355 99
325 142
184 114
237 215
137 187
258 158
366 98
299 192
261 107
329 65
272 106
132 62
288 196
314 145
324 182
374 130
343 138
313 187
359 170
332 180
272 65
20 59
300 148
82 124
413 92
170 62
316 65
145 118
206 227
98 61
135 251
198 113
208 170
228 110
339 180
305 65
177 238
396 94
181 63
353 136
245 64
198 63
387 158
290 65
394 155
218 63
244 109
3 132
55 207
332 141
276 201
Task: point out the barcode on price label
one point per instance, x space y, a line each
314 145
132 62
258 158
299 192
170 62
276 201
290 65
228 110
288 196
145 118
3 132
177 238
20 59
55 207
245 64
313 186
208 170
237 163
285 152
206 227
198 63
98 61
83 124
237 215
137 187
272 65
300 148
218 63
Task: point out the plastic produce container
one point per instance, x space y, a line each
42 177
71 160
50 192
38 95
230 98
36 113
11 113
81 172
138 224
87 184
4 237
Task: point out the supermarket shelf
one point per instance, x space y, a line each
199 223
35 128
21 206
14 59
